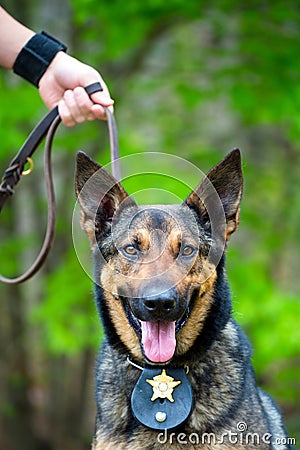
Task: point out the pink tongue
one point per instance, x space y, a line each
158 339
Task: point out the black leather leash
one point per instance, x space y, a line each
47 127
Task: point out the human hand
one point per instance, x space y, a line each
63 84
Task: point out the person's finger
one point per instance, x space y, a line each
83 101
102 98
65 114
90 109
76 106
73 107
99 112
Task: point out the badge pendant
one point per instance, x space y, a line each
162 398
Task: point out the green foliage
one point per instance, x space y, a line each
268 317
267 312
68 313
127 25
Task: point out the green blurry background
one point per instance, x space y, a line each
192 79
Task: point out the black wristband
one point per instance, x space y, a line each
35 57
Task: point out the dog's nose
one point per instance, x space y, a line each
161 304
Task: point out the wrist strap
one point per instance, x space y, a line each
36 56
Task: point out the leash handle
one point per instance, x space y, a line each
47 127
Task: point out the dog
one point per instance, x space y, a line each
174 369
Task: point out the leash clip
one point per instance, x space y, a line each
30 169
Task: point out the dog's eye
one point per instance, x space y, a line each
130 250
188 250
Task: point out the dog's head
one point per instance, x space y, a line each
157 265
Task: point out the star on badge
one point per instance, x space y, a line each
163 386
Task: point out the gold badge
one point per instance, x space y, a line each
163 386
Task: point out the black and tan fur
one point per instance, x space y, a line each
208 340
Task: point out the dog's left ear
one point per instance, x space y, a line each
226 180
99 195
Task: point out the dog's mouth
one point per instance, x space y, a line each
158 338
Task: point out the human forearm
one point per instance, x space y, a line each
60 78
13 37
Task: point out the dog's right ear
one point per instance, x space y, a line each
99 195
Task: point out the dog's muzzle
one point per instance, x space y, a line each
157 310
153 306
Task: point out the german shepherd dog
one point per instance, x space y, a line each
174 370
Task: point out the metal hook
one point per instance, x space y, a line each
31 167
